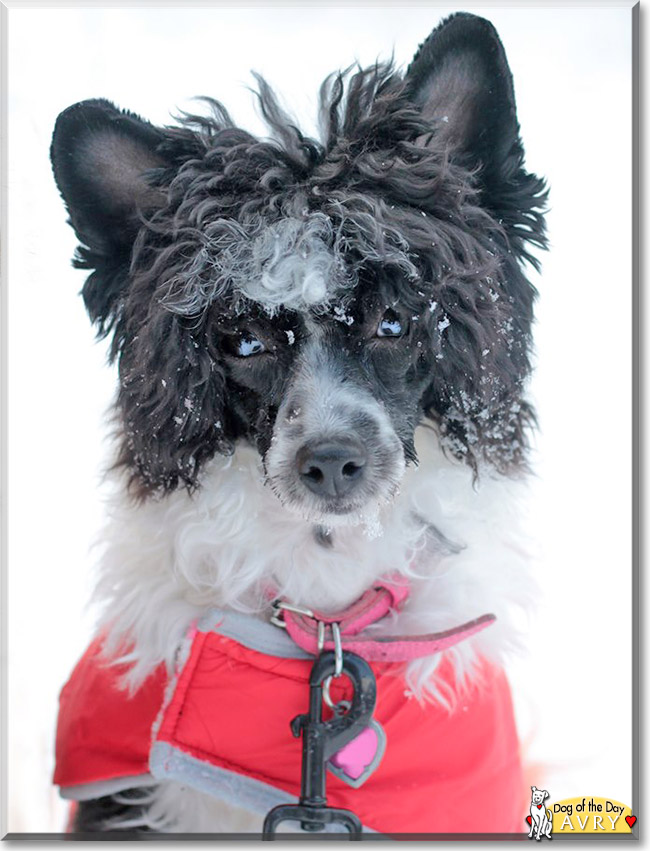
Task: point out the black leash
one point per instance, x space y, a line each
321 740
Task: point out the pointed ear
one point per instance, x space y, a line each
101 157
461 80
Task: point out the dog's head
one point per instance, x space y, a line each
318 299
538 795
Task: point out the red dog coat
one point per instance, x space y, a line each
223 728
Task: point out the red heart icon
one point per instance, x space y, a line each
539 806
529 819
631 820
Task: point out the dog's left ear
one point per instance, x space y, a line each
461 80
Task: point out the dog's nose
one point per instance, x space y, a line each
332 468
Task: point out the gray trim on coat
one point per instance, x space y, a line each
253 633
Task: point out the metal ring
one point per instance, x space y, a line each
327 697
338 659
321 636
326 693
338 650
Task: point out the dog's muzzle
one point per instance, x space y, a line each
334 452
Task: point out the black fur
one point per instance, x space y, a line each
420 176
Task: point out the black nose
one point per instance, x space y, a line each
332 468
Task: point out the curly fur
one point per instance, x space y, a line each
378 195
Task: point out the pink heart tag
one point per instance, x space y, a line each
357 760
357 754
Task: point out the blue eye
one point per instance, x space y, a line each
390 325
248 346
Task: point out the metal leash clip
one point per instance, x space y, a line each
322 739
277 607
338 659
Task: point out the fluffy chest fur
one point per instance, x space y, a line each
460 543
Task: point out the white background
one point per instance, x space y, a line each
572 72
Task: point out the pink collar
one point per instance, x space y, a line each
386 595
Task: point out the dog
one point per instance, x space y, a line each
323 349
541 819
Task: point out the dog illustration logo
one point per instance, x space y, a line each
540 819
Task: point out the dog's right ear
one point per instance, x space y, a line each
104 160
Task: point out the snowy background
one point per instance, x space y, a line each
572 72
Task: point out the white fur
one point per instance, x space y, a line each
165 562
294 265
